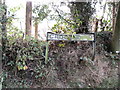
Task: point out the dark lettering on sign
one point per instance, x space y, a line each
74 37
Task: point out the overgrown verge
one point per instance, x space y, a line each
23 62
74 68
69 65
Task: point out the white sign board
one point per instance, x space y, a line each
74 37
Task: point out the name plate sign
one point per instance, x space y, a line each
74 37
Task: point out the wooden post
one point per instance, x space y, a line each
28 18
36 30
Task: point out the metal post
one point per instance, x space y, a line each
46 53
94 45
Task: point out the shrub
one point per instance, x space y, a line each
19 51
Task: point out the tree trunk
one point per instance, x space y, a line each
116 34
95 25
113 13
3 36
3 26
28 18
36 30
81 11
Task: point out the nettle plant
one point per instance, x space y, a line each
20 50
31 50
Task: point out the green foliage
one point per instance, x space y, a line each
2 10
106 25
64 27
18 48
20 54
19 51
1 13
61 45
23 58
13 30
81 11
40 12
14 10
65 24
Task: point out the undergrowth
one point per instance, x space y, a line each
24 58
24 64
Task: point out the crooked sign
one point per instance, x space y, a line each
73 37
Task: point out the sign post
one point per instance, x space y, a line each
72 37
46 53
